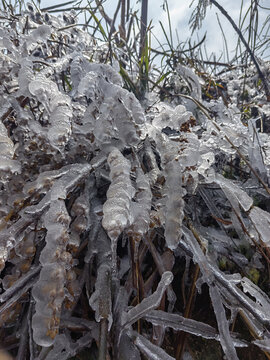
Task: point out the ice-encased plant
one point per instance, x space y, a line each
107 202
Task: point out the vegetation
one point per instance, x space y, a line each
134 187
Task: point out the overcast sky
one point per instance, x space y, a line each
180 14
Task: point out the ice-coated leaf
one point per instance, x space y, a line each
179 323
198 255
174 205
151 351
231 283
100 300
255 150
141 208
263 344
234 193
223 324
261 298
261 221
147 304
127 350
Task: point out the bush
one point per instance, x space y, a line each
128 222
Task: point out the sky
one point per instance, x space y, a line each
180 12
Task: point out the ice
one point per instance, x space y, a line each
261 221
174 205
223 324
263 344
141 210
147 304
116 209
230 284
58 107
49 291
198 255
234 193
151 351
127 350
172 118
179 323
7 150
255 150
192 79
49 294
261 298
100 300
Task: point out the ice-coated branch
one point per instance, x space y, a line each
49 291
7 150
116 209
